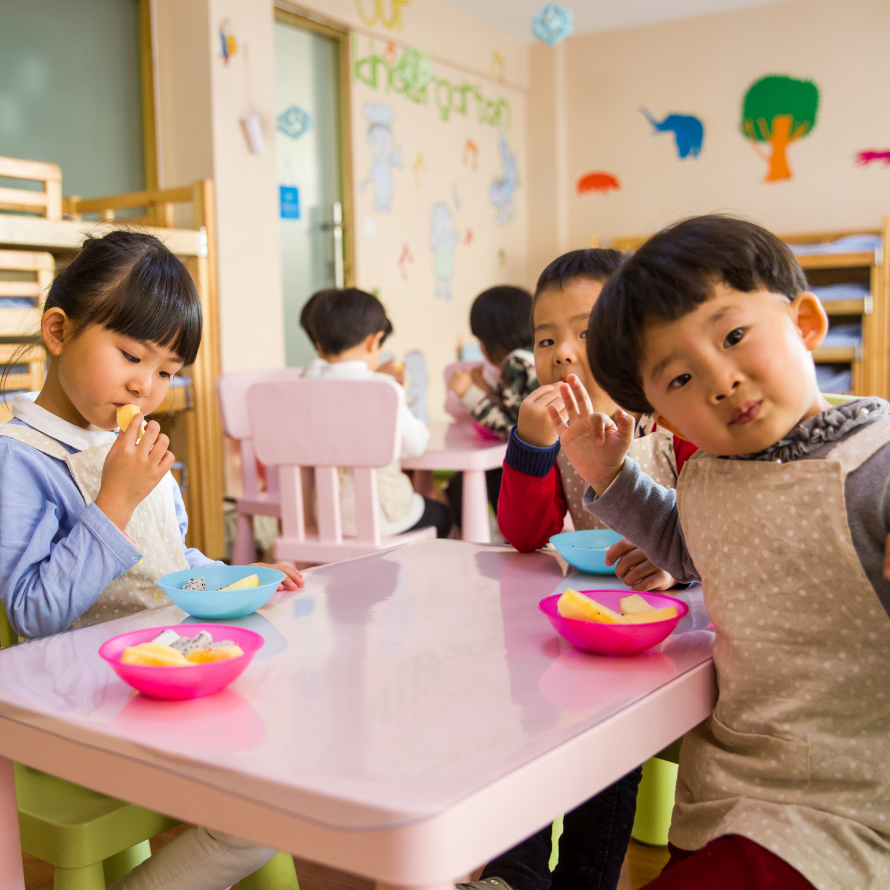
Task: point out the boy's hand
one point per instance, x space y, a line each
595 444
293 579
636 569
132 470
460 382
534 426
395 369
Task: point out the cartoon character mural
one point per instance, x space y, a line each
415 368
778 110
597 181
688 130
443 240
386 156
502 188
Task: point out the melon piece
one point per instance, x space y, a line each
154 655
217 653
632 605
249 581
652 615
125 414
582 608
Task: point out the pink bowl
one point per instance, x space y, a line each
182 682
486 433
614 639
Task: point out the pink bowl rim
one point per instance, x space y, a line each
257 639
682 609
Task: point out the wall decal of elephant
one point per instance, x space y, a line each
688 130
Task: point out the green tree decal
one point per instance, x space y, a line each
778 110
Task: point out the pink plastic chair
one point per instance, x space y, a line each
452 402
327 424
231 393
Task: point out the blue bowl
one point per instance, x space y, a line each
586 550
216 603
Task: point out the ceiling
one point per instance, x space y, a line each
514 17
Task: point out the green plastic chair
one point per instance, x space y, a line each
655 798
90 839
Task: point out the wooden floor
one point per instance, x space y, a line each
641 865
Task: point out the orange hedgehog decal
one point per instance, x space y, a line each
598 181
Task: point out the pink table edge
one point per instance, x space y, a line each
424 854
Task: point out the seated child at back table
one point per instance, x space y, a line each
348 328
499 321
784 516
89 518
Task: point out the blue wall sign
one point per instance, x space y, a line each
290 202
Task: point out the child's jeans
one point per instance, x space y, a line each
591 850
199 859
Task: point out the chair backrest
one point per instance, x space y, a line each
327 424
46 202
231 393
452 402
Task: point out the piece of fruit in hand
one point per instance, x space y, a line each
125 414
249 581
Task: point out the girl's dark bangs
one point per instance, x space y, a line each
156 302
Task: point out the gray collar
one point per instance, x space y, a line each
829 426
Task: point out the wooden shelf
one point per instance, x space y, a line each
839 355
838 260
844 307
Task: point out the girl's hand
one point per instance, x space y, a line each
636 569
595 444
395 369
293 578
132 470
534 426
459 382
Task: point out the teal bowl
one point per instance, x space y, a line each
214 603
586 550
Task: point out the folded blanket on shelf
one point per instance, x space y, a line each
847 244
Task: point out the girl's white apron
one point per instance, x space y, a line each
153 527
796 756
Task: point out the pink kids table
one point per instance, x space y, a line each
458 446
411 715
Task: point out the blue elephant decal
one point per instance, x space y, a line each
688 130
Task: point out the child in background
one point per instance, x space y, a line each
348 327
784 515
499 321
89 519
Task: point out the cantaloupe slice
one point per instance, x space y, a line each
631 605
582 608
125 414
222 653
249 581
154 655
652 615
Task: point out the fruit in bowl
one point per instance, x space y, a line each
595 621
216 592
165 662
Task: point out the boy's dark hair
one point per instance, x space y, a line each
306 312
674 272
499 319
341 319
594 264
130 283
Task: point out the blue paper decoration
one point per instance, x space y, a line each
294 122
290 201
553 24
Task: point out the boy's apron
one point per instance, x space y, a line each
153 527
796 755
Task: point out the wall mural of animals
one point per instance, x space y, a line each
688 130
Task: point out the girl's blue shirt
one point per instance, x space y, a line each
56 553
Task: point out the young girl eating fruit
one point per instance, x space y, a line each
90 519
784 515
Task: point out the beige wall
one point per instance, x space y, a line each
704 66
201 100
